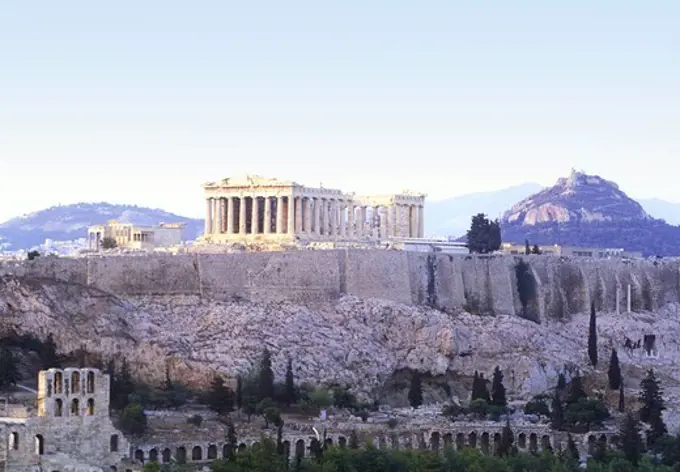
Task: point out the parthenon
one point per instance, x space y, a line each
255 207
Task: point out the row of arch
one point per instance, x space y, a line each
74 409
38 443
72 384
486 442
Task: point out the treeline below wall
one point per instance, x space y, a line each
534 287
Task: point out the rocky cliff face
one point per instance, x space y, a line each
369 343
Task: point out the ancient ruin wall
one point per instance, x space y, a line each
479 284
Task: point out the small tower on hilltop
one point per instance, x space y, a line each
73 393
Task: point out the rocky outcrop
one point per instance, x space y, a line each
367 343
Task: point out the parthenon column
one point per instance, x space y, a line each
350 219
325 224
219 214
389 222
341 218
421 221
333 217
255 216
307 213
291 215
230 215
298 214
267 215
375 218
279 216
242 216
208 216
317 215
361 222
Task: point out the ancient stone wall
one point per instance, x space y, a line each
479 284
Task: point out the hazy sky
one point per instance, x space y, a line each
142 101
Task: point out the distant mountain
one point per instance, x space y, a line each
587 210
68 222
668 211
451 217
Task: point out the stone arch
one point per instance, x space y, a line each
328 442
394 440
58 382
75 382
286 450
242 447
460 441
342 441
113 443
90 406
299 449
139 455
603 439
382 442
212 451
472 439
75 407
592 442
485 443
166 455
197 453
496 443
533 442
153 455
407 440
14 440
545 443
181 454
522 441
58 407
39 444
434 440
90 382
113 468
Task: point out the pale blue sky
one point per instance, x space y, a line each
142 101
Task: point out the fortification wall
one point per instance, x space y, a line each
480 284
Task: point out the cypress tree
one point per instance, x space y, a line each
507 439
9 371
630 440
622 401
239 392
651 397
232 442
592 336
561 383
483 389
475 388
498 389
289 384
266 376
556 413
415 392
527 248
48 354
572 450
614 372
576 391
535 249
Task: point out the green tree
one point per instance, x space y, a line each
133 419
586 412
479 408
122 387
614 371
498 389
9 371
343 398
32 255
231 441
527 247
653 405
48 354
576 391
353 440
109 243
572 450
622 400
289 385
268 410
561 384
592 336
630 440
484 236
537 406
507 439
220 398
415 392
556 413
266 378
239 392
536 250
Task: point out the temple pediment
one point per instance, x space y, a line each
250 180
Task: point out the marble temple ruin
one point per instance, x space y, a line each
260 208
